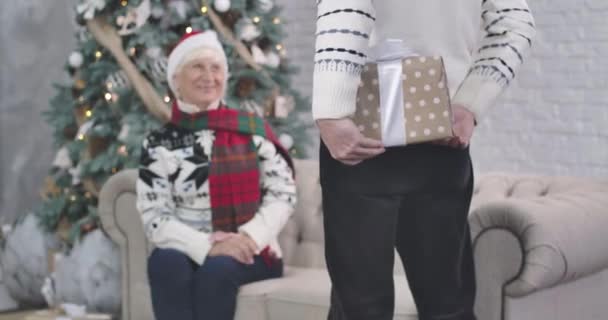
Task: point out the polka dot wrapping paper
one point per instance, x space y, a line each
427 113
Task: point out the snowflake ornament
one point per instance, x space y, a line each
88 8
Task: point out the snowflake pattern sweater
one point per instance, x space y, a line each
483 43
173 192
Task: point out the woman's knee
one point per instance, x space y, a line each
221 270
169 265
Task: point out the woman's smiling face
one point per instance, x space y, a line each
201 80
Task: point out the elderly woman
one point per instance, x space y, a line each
214 190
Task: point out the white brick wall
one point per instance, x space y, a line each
554 119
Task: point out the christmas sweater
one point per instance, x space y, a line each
483 43
173 192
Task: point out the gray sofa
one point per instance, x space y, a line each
541 250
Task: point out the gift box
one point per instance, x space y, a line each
403 98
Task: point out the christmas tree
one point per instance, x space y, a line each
119 92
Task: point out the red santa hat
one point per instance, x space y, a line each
193 45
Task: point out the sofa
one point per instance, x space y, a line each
540 246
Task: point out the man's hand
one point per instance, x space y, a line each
239 246
464 124
345 143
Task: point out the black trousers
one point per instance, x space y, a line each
416 199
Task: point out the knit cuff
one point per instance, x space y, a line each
257 230
195 244
334 94
477 93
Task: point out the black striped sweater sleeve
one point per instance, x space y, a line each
508 30
342 42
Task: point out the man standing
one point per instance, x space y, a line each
415 198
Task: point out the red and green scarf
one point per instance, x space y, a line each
234 174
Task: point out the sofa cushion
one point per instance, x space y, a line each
303 293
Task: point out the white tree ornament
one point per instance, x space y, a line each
62 159
158 12
265 5
124 132
134 19
154 52
181 7
117 80
272 59
87 8
76 173
248 31
254 107
221 5
258 55
158 68
286 141
283 105
75 59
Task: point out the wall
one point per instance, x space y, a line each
554 119
35 39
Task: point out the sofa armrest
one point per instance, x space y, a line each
561 236
122 222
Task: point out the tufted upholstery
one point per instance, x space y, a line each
536 237
559 221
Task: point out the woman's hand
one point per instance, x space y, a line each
239 246
219 236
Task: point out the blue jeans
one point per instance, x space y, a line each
182 290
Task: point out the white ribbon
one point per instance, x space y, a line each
388 56
391 103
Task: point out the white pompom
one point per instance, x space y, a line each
258 55
272 59
75 59
286 141
221 5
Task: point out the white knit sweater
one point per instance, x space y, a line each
483 43
173 192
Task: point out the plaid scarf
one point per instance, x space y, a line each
234 175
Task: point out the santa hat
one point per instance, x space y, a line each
190 46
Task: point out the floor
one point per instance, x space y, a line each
14 315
